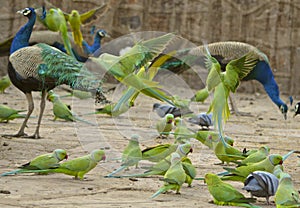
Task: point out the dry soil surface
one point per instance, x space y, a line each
263 126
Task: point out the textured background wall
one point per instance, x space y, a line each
272 26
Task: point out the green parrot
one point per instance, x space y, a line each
227 153
161 167
131 156
211 138
165 125
174 177
222 83
82 95
201 95
225 194
126 68
54 20
286 195
158 152
189 169
76 20
4 83
241 173
110 109
77 167
7 113
181 130
61 110
41 162
258 156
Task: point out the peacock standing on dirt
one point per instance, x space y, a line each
224 52
42 68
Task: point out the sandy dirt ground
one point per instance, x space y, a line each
263 126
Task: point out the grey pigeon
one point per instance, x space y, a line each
164 109
202 119
261 184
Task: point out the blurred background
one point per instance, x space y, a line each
272 26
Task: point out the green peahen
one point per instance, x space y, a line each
42 68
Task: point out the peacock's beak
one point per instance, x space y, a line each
20 11
285 117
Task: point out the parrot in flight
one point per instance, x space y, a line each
41 162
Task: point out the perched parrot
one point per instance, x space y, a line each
181 132
240 173
227 153
158 152
174 177
131 156
161 167
258 156
109 109
286 195
7 113
76 20
61 110
42 162
54 20
211 138
4 83
165 125
225 194
77 167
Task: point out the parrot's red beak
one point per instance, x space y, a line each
66 157
104 158
191 150
280 162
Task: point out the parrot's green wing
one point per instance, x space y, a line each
238 69
78 164
87 16
213 77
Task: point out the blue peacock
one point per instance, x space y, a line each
41 68
225 52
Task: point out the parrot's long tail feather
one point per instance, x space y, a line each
11 172
115 171
162 190
284 157
84 121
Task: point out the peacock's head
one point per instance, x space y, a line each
102 33
284 109
297 109
27 12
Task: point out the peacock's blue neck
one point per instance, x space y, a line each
91 49
263 73
22 37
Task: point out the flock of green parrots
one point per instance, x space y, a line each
171 160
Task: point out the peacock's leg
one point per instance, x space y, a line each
36 135
21 132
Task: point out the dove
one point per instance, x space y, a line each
261 184
174 177
202 119
163 109
41 162
224 193
131 156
